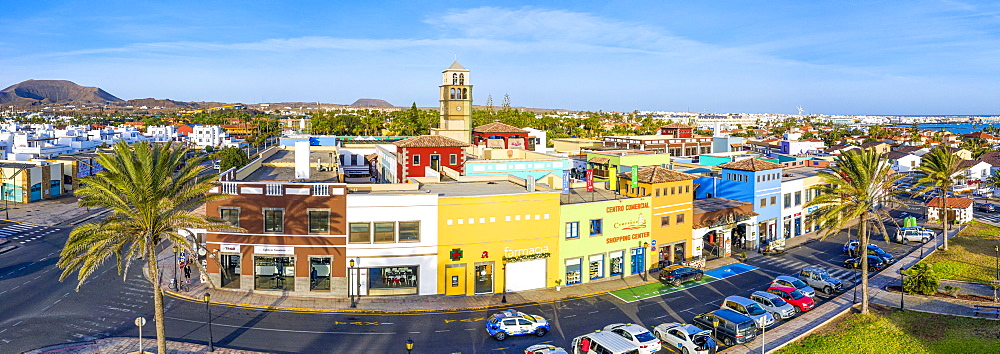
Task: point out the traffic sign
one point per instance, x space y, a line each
182 259
140 321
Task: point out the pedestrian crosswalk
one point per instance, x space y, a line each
23 233
990 217
789 266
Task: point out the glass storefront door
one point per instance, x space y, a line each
638 260
484 278
231 271
274 272
319 273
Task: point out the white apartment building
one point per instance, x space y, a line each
163 133
211 135
795 193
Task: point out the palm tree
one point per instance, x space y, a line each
940 169
151 197
859 188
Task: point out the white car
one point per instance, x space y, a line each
778 307
686 338
639 336
544 349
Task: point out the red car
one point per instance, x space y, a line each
801 302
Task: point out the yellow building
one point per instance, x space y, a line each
672 195
494 236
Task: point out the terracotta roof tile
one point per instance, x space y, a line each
751 165
429 141
677 125
599 159
952 203
657 174
497 127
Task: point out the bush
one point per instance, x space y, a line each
921 280
952 290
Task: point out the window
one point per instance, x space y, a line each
385 232
274 220
452 159
680 219
409 231
596 266
798 198
788 200
230 215
763 202
596 227
360 232
319 221
665 221
774 200
673 190
573 229
617 260
657 191
416 160
687 189
809 195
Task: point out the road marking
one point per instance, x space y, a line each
592 312
278 329
414 332
569 316
442 331
470 329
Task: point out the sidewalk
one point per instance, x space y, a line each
129 345
62 211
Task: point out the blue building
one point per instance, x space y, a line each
749 180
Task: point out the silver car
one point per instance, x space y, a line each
778 307
795 283
686 338
750 309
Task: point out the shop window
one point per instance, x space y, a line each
360 232
230 215
274 220
274 272
617 262
385 232
319 273
319 221
396 280
596 227
409 231
596 266
573 271
484 278
573 229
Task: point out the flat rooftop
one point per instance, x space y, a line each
287 174
580 195
791 174
471 189
288 156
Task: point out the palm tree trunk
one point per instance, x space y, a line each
158 318
944 218
863 253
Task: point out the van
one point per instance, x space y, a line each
750 309
601 342
733 327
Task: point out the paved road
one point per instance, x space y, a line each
47 312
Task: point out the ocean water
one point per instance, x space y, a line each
957 128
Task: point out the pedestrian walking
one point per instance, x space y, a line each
187 271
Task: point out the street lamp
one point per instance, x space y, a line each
901 292
997 248
715 327
175 269
211 346
349 295
409 345
503 299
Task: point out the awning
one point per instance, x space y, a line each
599 160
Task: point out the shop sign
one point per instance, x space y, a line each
274 249
635 236
638 223
525 254
455 254
798 214
229 248
812 209
633 206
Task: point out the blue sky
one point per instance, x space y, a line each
864 57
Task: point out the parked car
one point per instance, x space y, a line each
987 207
875 263
636 334
677 274
603 342
801 302
794 283
686 338
728 326
819 278
515 323
778 307
914 234
851 249
544 349
749 308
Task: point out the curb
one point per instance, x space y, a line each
811 330
26 223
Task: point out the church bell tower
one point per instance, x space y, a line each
456 104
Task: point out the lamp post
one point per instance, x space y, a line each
715 327
409 345
503 299
349 295
211 345
997 248
901 292
175 269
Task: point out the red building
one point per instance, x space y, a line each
677 130
503 136
416 154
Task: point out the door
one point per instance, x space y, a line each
454 282
54 189
484 278
230 271
638 260
36 192
436 162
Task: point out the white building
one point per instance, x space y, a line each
211 135
163 133
959 209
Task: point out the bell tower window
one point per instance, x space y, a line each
454 79
461 79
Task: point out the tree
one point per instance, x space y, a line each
940 169
232 157
921 279
150 204
859 188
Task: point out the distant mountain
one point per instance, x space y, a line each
371 102
152 102
36 92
